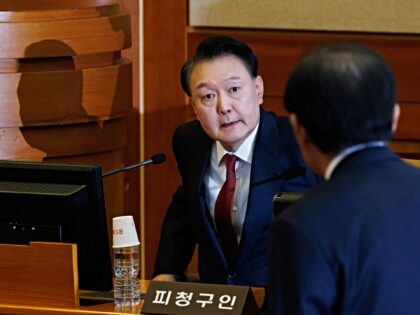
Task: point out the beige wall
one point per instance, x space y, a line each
395 16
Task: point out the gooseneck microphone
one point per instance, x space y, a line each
154 159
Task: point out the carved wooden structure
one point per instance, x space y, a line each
65 90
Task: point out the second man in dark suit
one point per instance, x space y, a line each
350 246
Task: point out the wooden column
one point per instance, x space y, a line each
165 108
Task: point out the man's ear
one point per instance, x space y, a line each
300 132
190 100
395 117
313 157
259 88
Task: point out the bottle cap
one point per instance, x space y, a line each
124 232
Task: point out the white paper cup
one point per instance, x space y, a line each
124 232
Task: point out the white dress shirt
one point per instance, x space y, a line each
216 176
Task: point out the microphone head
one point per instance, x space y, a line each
158 158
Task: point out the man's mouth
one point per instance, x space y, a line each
229 124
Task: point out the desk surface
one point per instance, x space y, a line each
97 309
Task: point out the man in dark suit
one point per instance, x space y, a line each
232 232
351 245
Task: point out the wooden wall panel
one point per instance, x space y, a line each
279 52
164 109
131 181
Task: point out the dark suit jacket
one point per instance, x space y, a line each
187 220
352 244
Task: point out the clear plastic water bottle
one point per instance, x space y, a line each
126 269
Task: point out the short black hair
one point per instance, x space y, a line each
343 94
217 46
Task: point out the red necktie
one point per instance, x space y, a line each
223 210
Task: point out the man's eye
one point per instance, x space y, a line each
208 97
235 89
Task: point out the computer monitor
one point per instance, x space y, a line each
58 202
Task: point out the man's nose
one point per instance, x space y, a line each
224 105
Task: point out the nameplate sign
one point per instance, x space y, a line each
173 298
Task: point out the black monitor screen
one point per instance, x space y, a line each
58 202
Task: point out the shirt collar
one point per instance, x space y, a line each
245 150
332 165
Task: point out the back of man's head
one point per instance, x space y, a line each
343 94
217 46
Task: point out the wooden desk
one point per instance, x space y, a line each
97 309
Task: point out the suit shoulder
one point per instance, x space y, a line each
187 129
280 128
282 123
190 137
189 132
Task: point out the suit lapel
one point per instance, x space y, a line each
267 162
268 165
201 163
